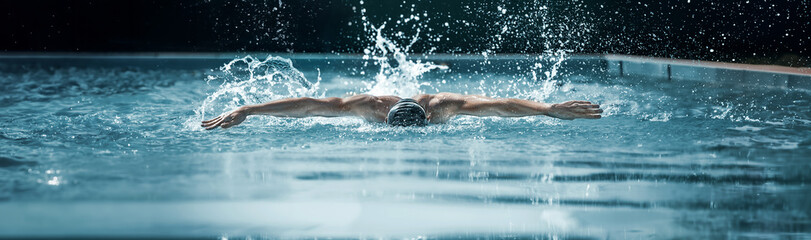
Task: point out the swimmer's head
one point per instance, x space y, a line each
406 113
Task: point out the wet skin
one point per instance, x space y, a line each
440 108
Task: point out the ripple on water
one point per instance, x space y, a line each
6 162
660 147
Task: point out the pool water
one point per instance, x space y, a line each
112 148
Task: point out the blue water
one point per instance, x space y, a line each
109 147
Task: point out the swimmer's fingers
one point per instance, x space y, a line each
212 120
587 110
218 123
212 125
588 115
206 125
235 120
593 111
587 105
227 124
583 109
209 122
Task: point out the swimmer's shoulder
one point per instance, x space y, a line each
387 99
439 98
367 98
381 103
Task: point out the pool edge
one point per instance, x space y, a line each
615 65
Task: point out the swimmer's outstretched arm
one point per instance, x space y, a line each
360 105
476 105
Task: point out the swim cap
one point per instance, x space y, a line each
406 112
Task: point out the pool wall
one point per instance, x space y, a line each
715 72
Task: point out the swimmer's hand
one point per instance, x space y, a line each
574 109
226 120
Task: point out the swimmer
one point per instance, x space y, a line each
419 110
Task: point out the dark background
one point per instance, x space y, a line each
750 31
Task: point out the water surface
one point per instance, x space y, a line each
114 150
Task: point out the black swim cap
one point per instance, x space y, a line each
406 113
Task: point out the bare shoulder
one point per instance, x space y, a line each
370 107
440 107
364 99
387 99
449 96
360 98
452 100
441 102
378 103
439 98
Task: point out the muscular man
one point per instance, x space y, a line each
417 111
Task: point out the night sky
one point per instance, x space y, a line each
753 31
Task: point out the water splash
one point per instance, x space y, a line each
555 37
397 76
544 76
248 80
547 38
557 42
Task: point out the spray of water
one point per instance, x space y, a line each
545 75
248 80
398 75
540 29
